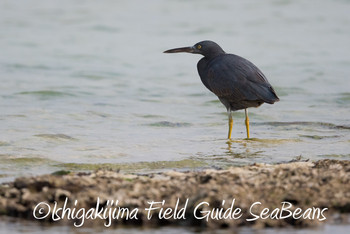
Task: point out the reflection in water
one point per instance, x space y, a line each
231 150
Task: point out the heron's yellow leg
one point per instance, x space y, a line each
247 122
230 124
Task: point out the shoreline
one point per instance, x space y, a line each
313 192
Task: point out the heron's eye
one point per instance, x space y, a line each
199 47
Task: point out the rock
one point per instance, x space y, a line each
304 185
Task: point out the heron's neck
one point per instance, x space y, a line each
214 53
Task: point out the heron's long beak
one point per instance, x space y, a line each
189 49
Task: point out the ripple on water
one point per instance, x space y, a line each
139 166
3 143
12 166
304 123
318 137
99 114
149 116
55 136
270 141
343 98
19 66
23 161
105 28
46 94
340 156
169 124
97 75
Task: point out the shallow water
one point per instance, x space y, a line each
87 82
84 85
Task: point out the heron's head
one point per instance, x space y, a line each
208 49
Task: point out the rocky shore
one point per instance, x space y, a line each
260 195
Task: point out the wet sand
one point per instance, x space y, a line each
318 192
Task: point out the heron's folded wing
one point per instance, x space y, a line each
236 79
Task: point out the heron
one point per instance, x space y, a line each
236 81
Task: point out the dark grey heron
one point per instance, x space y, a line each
237 82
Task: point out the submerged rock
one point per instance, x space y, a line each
262 195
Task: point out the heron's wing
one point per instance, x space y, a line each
236 79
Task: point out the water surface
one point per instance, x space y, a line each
86 83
